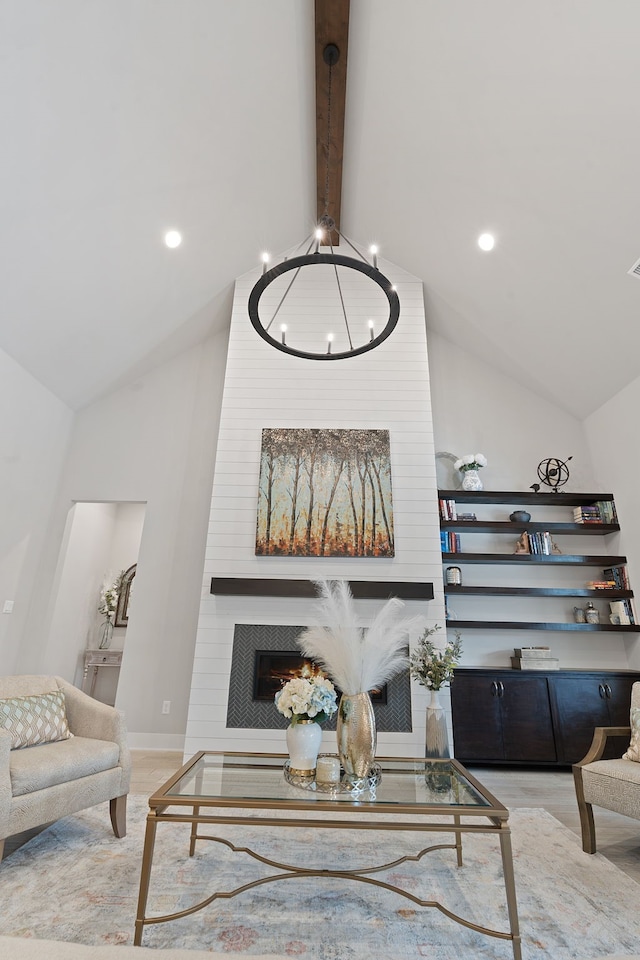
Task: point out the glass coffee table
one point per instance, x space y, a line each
430 796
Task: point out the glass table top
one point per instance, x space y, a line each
222 778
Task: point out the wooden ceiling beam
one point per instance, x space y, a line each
331 30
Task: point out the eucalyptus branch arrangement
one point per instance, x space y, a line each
357 659
433 666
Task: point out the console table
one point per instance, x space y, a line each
95 659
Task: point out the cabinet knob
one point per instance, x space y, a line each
500 688
494 688
601 691
607 690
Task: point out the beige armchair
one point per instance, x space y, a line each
611 784
42 783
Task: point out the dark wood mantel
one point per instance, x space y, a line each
361 589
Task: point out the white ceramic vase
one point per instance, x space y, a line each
437 738
303 744
471 480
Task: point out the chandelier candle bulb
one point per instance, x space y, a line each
265 262
370 325
283 330
329 342
373 250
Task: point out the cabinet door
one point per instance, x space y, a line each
618 690
581 705
527 728
476 715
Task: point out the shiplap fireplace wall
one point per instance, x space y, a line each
387 388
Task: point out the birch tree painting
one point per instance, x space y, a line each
325 493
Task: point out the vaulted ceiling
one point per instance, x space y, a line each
124 118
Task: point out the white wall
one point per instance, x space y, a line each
477 409
153 441
387 388
34 433
612 433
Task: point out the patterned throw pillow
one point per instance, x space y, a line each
37 719
633 753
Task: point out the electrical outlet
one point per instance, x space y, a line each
166 706
8 606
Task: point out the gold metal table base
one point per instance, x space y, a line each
290 871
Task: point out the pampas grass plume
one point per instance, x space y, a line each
357 660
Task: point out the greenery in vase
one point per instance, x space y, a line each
109 597
432 666
471 461
310 697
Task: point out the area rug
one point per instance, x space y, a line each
77 882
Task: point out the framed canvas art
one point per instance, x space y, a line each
325 493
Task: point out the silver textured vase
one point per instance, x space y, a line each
437 738
356 730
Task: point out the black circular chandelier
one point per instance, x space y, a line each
354 342
313 336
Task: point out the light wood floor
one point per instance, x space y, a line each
618 837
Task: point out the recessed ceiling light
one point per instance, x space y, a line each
172 238
486 241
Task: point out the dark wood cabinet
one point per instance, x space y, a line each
537 717
584 701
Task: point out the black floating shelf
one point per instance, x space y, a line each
361 589
596 561
534 625
504 526
454 589
524 498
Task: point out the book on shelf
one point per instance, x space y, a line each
447 509
530 663
602 511
467 516
540 543
618 575
623 610
607 509
601 584
532 653
449 541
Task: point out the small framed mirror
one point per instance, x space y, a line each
124 597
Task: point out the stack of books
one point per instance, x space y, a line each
534 658
602 511
589 514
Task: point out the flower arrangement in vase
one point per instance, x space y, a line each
469 466
107 606
307 701
358 661
432 667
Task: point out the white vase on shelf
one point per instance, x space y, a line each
471 480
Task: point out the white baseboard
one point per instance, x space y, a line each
156 741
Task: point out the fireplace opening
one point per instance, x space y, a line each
245 710
273 668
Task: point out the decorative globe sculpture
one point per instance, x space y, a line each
554 472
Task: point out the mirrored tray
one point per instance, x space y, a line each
346 785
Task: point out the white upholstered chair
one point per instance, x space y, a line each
611 784
41 783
